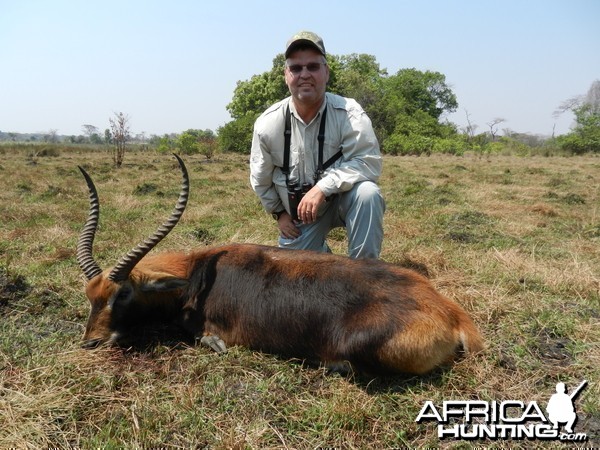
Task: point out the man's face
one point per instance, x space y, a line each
308 85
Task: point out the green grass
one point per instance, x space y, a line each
516 241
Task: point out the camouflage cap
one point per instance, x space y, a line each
305 38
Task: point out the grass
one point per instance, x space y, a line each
515 240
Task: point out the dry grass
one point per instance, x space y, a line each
514 240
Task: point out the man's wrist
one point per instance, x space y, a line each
277 214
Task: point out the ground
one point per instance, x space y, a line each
514 240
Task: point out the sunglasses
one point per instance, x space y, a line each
312 67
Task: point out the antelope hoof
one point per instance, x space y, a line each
214 342
344 368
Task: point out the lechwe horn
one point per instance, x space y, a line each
86 239
121 271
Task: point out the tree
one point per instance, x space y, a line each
141 138
119 126
585 136
187 143
471 127
412 103
165 144
236 136
424 91
592 98
260 92
494 126
357 76
107 137
51 136
207 143
89 129
197 141
396 104
93 133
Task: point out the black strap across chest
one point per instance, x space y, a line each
287 134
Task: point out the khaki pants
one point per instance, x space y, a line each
360 211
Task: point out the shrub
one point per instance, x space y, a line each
165 144
452 146
415 144
578 144
236 136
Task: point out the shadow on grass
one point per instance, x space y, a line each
148 339
153 340
399 384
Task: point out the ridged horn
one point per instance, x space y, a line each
86 239
126 264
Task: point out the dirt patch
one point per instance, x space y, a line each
590 425
554 351
203 235
13 287
148 189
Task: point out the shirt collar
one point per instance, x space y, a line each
297 116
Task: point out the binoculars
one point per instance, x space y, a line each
295 194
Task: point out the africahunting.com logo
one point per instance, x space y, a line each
510 419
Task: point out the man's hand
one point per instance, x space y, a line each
287 228
309 205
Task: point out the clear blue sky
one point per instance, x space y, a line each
173 65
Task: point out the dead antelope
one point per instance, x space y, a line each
319 307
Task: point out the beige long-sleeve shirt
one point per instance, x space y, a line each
347 128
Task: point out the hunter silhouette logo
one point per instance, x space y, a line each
560 407
509 419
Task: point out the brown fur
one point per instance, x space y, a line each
316 306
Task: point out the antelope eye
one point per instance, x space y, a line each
123 295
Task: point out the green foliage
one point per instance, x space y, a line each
411 102
250 99
400 144
417 144
452 146
414 91
165 144
513 146
586 135
260 92
407 118
208 148
356 76
107 137
187 143
197 141
236 136
421 133
96 139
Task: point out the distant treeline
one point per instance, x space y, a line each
408 110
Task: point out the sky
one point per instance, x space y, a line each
173 65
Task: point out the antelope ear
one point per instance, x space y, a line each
162 282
